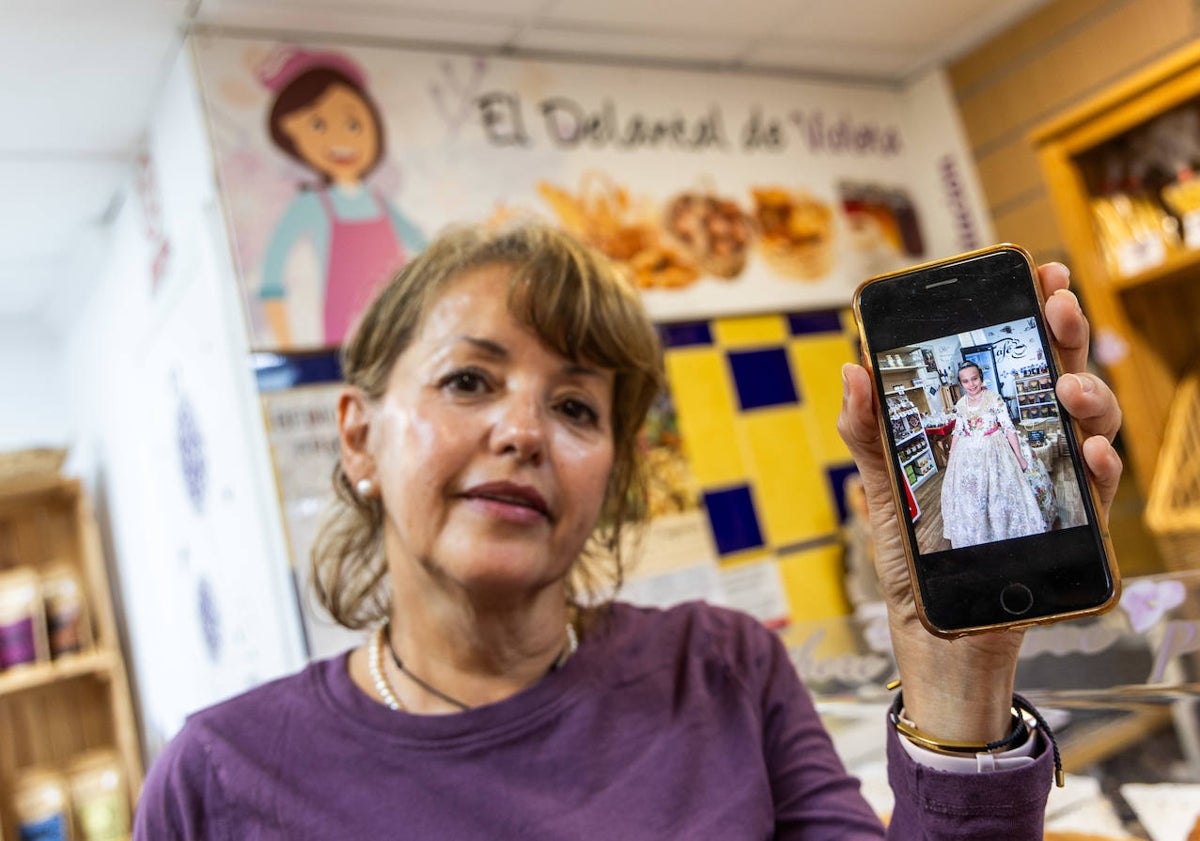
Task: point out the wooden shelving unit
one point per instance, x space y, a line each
1148 323
54 711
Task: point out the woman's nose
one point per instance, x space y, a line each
519 428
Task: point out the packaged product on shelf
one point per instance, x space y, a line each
1183 199
1135 232
67 628
40 806
99 797
20 618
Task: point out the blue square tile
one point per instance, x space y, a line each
821 321
836 477
763 377
684 333
733 519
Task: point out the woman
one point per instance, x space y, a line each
494 393
985 495
323 118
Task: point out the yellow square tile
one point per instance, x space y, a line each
750 331
791 490
817 362
813 582
704 399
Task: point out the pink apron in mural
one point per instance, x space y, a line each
362 253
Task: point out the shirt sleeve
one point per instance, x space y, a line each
1000 411
936 805
303 217
960 421
815 797
174 801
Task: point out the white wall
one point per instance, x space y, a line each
195 531
34 407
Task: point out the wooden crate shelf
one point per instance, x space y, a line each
52 712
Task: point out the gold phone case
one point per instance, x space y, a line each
910 551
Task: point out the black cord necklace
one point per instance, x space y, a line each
437 693
568 650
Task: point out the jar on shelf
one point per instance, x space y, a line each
20 618
67 628
99 797
40 806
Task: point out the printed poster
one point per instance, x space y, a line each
719 193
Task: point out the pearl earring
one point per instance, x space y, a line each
365 488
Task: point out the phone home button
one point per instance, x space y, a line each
1016 599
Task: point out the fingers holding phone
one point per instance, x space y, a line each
960 353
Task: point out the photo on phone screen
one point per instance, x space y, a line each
979 437
999 521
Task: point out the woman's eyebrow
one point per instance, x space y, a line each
498 351
488 346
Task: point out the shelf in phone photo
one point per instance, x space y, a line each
912 437
899 367
923 452
923 477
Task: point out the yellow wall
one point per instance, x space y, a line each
1052 60
757 400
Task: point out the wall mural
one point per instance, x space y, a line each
337 164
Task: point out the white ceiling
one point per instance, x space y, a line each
78 80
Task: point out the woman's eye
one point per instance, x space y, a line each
318 124
465 382
353 124
579 411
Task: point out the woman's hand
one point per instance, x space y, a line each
962 689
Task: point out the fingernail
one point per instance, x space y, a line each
1085 383
845 380
1065 268
1071 296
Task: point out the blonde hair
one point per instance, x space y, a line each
576 301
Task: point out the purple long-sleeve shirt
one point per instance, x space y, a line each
687 723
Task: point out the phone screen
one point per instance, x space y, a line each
1001 525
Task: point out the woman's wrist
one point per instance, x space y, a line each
961 689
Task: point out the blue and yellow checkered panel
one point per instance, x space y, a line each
757 401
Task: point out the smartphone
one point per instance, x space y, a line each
998 514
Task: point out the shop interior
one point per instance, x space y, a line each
171 386
924 409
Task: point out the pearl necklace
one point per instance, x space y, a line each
383 686
375 665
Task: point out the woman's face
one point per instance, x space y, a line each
970 380
336 135
492 452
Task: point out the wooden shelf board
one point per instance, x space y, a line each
1174 267
23 678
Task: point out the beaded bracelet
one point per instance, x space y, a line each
1019 733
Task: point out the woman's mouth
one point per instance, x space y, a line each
510 500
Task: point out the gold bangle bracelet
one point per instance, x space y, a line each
1017 735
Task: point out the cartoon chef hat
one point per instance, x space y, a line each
287 62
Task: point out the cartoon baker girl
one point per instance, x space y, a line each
324 118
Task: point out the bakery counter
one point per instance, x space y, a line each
1121 691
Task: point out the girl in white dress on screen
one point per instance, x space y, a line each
985 495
